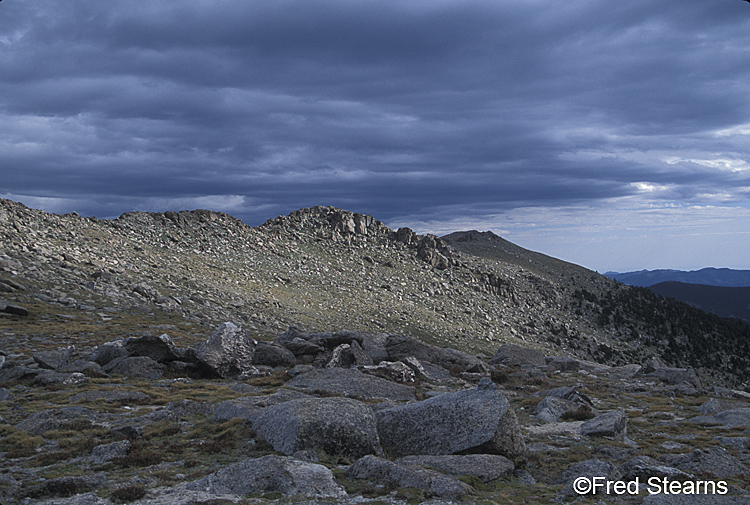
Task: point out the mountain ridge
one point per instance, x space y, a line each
709 276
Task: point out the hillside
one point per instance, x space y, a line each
86 280
720 300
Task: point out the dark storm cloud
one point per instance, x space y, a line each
392 108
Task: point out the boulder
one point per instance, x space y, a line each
334 426
5 395
485 467
551 409
401 346
590 468
516 356
110 351
644 467
160 348
274 355
107 452
351 383
269 474
393 371
135 366
227 353
478 420
52 360
248 407
341 357
610 424
13 309
46 420
677 376
716 405
715 461
732 418
394 475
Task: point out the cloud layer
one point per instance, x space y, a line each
585 123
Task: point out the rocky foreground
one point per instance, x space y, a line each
358 417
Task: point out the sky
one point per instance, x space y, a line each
615 135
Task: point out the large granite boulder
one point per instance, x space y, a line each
135 366
334 426
389 474
515 356
478 420
485 467
159 348
270 354
401 346
610 424
272 474
227 353
351 383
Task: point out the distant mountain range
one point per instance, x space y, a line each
708 276
722 291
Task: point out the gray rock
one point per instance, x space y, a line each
515 356
239 408
53 419
715 461
385 473
351 383
334 426
733 418
475 420
610 424
110 351
268 474
590 468
185 408
249 407
563 363
400 347
551 409
161 348
228 352
677 376
135 366
108 395
5 395
485 467
644 467
297 342
360 357
622 372
274 355
11 308
716 405
416 367
50 378
107 452
87 368
392 371
341 357
52 360
737 443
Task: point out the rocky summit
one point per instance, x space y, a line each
186 358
